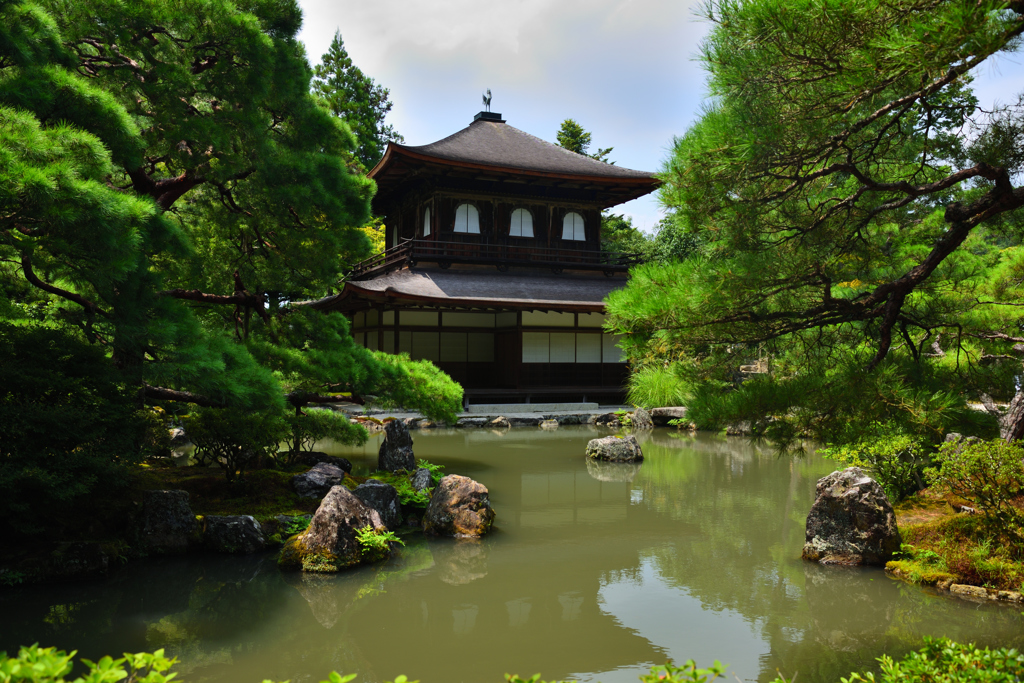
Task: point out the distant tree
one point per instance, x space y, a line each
574 138
356 99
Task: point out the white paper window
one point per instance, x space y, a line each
426 346
453 347
405 342
522 224
426 221
591 319
389 317
481 347
563 347
611 352
548 319
372 317
588 348
421 318
360 338
359 320
572 227
467 219
371 340
389 342
535 347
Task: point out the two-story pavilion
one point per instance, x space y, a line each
494 268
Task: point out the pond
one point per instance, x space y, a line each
592 574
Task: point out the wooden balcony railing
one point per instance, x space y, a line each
502 256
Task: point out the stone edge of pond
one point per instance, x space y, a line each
962 590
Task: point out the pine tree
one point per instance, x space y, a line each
356 99
170 189
858 222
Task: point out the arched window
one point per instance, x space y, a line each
426 221
572 227
522 224
467 219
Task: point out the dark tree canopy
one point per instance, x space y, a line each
858 215
356 99
170 189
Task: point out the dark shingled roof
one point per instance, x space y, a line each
485 289
497 144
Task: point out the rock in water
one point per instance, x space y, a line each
233 534
421 479
500 422
851 521
329 544
615 449
460 507
642 420
396 448
383 498
168 524
318 480
661 416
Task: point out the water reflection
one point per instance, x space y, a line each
593 573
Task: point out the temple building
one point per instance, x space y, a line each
494 269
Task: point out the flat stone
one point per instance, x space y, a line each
525 421
239 534
471 422
318 480
549 424
661 416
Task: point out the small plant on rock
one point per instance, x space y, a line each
376 545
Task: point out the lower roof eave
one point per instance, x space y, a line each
353 298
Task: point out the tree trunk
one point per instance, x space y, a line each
1011 424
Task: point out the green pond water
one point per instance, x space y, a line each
592 573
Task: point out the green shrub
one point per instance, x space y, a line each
942 660
36 664
70 427
235 439
316 424
376 545
896 461
989 474
436 471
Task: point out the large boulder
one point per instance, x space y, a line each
168 524
662 416
318 480
240 534
330 544
312 458
396 449
459 507
851 521
641 419
615 449
383 498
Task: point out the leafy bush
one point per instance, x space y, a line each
36 664
896 461
70 428
375 545
990 474
949 662
235 439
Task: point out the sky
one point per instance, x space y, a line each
626 70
